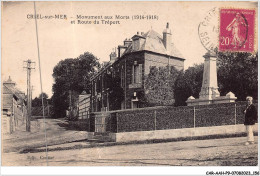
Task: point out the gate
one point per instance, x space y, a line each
104 122
100 122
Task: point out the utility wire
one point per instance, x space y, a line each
46 146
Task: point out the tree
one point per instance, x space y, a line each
116 94
44 95
188 84
159 86
37 101
237 72
71 77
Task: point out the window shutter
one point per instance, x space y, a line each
140 73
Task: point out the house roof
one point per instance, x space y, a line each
154 42
12 90
151 41
9 88
9 81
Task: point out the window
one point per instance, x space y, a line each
5 111
136 73
99 85
95 88
122 77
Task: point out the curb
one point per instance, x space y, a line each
108 144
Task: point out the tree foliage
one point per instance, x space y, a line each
237 72
44 95
188 84
159 86
37 101
116 94
72 75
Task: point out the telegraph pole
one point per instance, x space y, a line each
32 89
70 104
48 109
29 67
31 95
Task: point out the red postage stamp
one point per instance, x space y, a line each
237 30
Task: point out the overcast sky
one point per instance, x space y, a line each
59 39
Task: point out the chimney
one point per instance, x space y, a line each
127 42
9 82
167 38
138 40
113 56
121 50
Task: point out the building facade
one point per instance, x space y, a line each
124 75
14 109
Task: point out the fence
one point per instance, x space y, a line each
84 105
161 118
103 122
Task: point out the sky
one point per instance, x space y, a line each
59 39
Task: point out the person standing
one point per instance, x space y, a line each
250 120
236 26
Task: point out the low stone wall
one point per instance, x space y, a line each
178 133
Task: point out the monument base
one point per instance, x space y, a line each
229 98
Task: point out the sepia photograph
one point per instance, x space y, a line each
130 83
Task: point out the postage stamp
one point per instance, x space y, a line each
237 30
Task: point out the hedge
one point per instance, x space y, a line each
161 118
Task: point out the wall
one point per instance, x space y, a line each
191 133
15 120
147 59
125 63
7 101
6 126
152 59
130 59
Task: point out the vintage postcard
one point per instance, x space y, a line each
130 83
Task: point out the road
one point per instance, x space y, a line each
212 152
56 133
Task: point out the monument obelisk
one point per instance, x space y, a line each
209 93
209 88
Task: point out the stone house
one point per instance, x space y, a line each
129 66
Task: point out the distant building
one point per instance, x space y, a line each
129 66
83 105
13 105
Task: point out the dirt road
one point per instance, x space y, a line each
213 152
56 134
